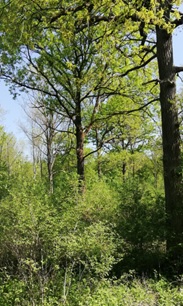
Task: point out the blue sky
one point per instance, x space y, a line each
178 46
14 114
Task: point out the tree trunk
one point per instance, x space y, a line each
123 163
50 159
33 159
80 153
50 168
99 170
171 143
80 135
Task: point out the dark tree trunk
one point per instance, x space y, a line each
171 143
99 170
79 152
123 163
124 170
79 145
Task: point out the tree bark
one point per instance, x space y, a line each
99 170
80 156
171 143
49 161
79 144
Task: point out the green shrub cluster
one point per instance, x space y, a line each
98 248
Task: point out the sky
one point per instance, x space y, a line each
13 112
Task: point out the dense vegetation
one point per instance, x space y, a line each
95 216
100 248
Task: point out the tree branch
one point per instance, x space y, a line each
177 69
125 112
139 66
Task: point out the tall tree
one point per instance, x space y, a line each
171 134
67 62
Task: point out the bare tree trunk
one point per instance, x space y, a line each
124 162
34 158
171 143
80 155
80 135
50 164
99 170
80 149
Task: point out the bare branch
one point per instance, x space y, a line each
177 69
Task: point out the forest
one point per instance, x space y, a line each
94 215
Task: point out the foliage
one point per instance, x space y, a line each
47 246
136 293
93 68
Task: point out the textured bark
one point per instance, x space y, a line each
171 143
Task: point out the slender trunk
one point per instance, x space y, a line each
79 144
40 165
171 143
123 163
50 167
99 170
80 153
123 170
33 158
50 176
49 159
